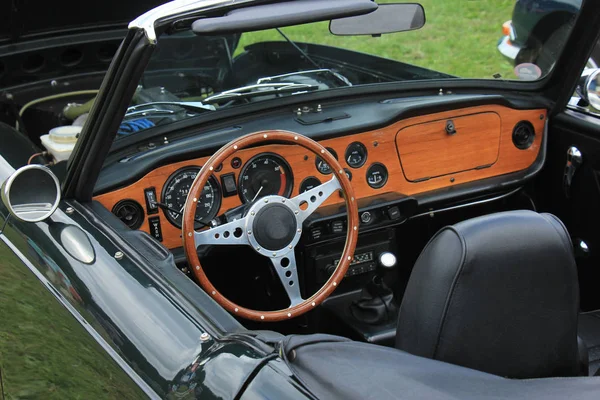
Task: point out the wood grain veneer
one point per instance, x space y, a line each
381 145
428 151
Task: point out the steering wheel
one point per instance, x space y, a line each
272 226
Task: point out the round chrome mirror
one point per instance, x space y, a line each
591 89
31 193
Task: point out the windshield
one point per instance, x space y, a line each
190 75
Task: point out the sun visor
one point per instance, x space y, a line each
276 15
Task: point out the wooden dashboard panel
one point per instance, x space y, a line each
427 150
381 145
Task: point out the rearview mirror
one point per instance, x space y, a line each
388 18
589 88
31 193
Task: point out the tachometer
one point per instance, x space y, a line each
265 174
175 194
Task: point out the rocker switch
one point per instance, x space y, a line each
151 206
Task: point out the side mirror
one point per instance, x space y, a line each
388 18
589 88
31 193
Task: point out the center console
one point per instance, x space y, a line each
320 262
365 301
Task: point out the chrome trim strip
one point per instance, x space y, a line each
95 335
147 20
473 203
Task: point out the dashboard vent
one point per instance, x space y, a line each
130 212
523 135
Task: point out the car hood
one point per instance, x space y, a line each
21 20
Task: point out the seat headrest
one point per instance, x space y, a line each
499 294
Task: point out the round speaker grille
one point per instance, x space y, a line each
130 212
523 135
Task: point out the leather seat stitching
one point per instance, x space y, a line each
452 287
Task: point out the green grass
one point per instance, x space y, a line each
459 38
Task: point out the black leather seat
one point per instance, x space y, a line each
589 332
497 294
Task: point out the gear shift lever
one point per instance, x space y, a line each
376 304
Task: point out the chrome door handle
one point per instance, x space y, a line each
574 161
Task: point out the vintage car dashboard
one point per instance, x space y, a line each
408 157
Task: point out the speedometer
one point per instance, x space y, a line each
264 175
175 194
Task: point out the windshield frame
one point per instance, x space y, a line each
97 137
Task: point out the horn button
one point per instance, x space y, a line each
274 226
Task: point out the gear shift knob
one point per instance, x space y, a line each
387 261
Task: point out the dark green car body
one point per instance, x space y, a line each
66 332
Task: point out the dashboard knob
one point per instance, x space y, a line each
366 217
330 270
387 260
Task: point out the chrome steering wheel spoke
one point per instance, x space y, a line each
287 271
312 199
231 233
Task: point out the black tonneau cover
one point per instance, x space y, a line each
332 367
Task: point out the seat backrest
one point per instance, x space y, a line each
499 294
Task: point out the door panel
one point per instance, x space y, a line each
44 352
579 207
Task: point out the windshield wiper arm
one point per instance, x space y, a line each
261 89
337 75
187 105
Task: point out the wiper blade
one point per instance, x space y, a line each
337 75
149 108
261 89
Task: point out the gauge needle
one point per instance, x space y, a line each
257 193
165 207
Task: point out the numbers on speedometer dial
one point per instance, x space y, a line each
175 194
264 175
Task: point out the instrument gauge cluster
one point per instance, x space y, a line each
264 175
261 175
175 193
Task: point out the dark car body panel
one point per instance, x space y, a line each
133 318
44 351
152 337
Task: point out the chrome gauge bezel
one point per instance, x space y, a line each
282 163
363 149
319 160
212 181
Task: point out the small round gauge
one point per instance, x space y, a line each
322 166
265 174
356 155
348 173
175 193
309 183
377 175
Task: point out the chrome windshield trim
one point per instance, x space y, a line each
147 20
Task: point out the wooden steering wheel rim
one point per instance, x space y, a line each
189 243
